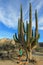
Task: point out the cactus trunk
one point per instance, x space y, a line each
30 54
30 30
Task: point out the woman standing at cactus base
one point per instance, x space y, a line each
20 53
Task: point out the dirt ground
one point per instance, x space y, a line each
7 62
40 63
14 61
10 62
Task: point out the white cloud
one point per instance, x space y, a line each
33 24
8 17
35 5
39 5
40 28
40 23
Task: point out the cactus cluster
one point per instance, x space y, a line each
31 39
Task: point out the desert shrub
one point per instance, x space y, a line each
7 47
39 49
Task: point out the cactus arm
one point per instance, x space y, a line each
36 18
18 26
30 20
34 44
24 28
15 38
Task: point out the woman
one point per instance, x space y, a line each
20 53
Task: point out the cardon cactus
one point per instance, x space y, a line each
31 39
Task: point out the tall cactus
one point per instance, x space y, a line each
36 18
30 20
36 30
21 20
30 43
30 30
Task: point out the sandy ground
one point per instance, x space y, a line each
8 62
14 62
40 63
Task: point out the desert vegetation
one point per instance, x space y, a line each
27 39
31 40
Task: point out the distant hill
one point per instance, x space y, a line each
41 44
6 40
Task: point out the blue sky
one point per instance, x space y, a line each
10 12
